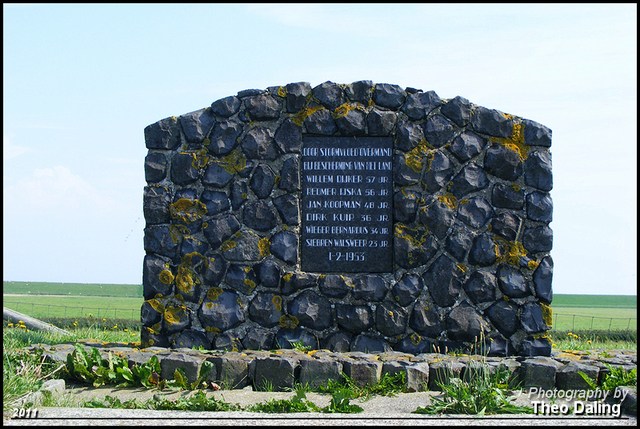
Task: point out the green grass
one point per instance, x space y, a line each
595 301
46 307
75 289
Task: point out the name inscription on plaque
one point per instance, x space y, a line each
347 188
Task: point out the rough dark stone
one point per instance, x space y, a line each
483 251
155 205
333 285
413 248
197 125
244 246
536 347
176 319
457 109
286 337
269 273
426 320
542 277
288 136
359 91
391 319
512 282
182 170
318 372
389 95
471 178
297 96
284 246
481 286
226 106
507 196
288 208
293 282
569 378
476 213
241 278
491 122
459 242
506 225
354 318
220 229
380 122
215 271
215 175
259 215
503 162
438 172
151 339
266 309
539 207
311 310
320 122
536 134
443 280
157 239
467 145
465 324
504 316
403 175
330 95
221 311
417 106
407 289
191 245
339 341
155 167
405 205
262 107
367 344
238 193
262 181
538 239
258 143
413 344
224 137
190 364
408 136
438 130
258 339
537 171
190 338
164 134
290 175
531 318
351 123
151 313
539 372
276 372
370 288
215 201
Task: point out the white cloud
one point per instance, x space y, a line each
10 150
57 191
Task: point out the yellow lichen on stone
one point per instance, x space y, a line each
282 91
299 117
509 251
156 305
177 232
515 142
462 268
416 156
532 265
172 314
287 277
343 110
187 210
277 302
250 283
166 277
547 314
288 321
234 162
415 339
200 159
227 245
213 293
449 200
264 246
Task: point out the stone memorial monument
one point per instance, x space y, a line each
360 217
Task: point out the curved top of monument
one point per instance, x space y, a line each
351 104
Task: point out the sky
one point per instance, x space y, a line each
82 81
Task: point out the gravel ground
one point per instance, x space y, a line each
378 410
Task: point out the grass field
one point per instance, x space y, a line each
74 289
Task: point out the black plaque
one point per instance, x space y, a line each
347 208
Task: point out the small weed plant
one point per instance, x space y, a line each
617 377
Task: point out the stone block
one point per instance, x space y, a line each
190 364
317 372
363 372
278 373
568 377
